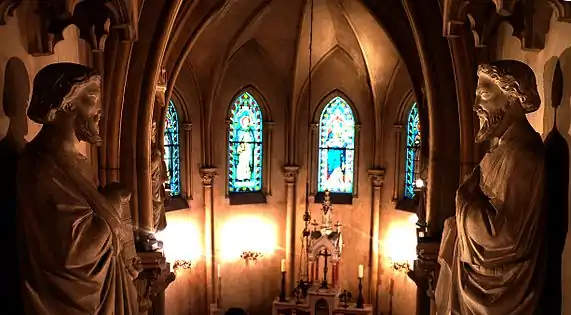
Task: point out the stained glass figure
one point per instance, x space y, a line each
336 147
245 145
412 162
172 150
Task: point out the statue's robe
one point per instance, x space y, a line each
491 255
69 251
158 177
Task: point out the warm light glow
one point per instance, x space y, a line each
361 271
419 183
283 265
181 241
400 244
247 234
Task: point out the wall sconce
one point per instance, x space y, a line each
401 266
251 255
182 264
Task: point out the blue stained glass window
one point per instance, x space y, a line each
412 162
245 145
172 150
336 147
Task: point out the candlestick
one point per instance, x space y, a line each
218 272
282 291
360 298
283 265
360 271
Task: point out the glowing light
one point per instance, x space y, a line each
247 234
401 241
181 241
419 183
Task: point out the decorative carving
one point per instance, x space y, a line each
93 18
207 176
56 188
187 126
290 173
7 8
154 278
493 248
162 83
377 177
529 19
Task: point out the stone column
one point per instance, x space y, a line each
311 277
187 183
377 177
424 275
207 175
290 176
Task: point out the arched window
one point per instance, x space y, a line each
336 157
412 156
172 150
245 152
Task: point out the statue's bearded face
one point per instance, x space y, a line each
89 111
490 106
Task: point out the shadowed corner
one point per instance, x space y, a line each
15 100
557 177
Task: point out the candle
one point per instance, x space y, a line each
361 271
219 274
283 265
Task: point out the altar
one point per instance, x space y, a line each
318 291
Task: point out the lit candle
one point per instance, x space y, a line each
219 274
361 271
283 265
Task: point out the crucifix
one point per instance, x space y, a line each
325 253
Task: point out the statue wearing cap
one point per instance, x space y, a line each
491 255
70 235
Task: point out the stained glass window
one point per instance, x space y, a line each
172 150
336 147
245 145
412 162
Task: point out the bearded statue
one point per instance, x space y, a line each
72 241
492 252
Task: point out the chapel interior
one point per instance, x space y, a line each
299 140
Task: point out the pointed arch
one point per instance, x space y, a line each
336 146
245 144
412 156
171 146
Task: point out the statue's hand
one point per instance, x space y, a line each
135 267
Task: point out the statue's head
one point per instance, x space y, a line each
67 95
506 89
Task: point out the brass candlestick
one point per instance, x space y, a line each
360 298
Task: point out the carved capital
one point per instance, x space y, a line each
529 19
269 124
207 176
93 18
154 278
377 177
187 126
290 173
162 82
7 8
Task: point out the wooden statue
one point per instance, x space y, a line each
492 253
70 246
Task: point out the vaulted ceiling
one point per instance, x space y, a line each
277 32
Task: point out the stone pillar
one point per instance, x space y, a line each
207 175
290 176
377 177
424 275
186 158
